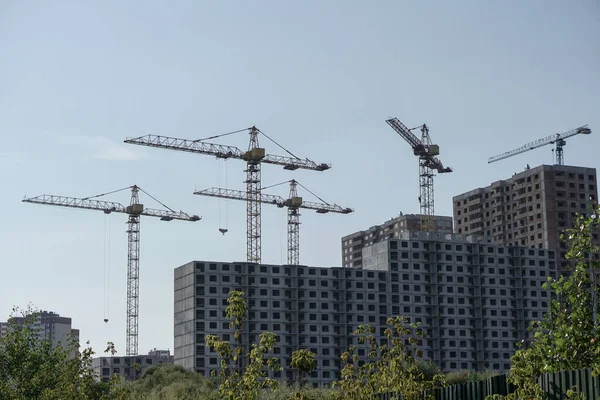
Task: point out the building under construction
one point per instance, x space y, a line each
529 209
474 301
353 244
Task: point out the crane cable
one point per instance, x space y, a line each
226 202
312 193
281 238
299 184
271 186
247 129
280 146
155 199
104 194
106 267
129 187
221 135
222 228
219 185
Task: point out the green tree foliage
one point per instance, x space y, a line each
390 367
566 337
173 382
290 392
235 384
456 377
304 362
32 368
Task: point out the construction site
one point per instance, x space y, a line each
421 265
383 199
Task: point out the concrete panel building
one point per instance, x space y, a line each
49 326
353 244
105 367
529 209
474 300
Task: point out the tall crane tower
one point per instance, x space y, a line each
428 162
134 210
254 157
293 204
558 139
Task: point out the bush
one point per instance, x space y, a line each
429 369
482 376
456 377
167 381
289 391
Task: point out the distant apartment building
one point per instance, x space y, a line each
49 326
530 209
353 244
129 367
474 300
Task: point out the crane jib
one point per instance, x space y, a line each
225 152
558 139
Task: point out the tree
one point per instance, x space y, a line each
304 361
168 381
32 368
566 337
235 384
391 367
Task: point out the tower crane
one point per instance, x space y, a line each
428 162
135 210
293 204
558 139
254 157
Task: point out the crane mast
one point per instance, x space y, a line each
293 228
426 198
253 179
254 157
428 163
134 210
558 139
293 203
133 273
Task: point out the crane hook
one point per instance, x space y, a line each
223 230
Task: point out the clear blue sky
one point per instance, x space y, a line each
321 77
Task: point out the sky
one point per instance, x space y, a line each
319 77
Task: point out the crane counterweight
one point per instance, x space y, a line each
293 202
255 155
135 209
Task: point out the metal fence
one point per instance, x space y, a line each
478 390
555 385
